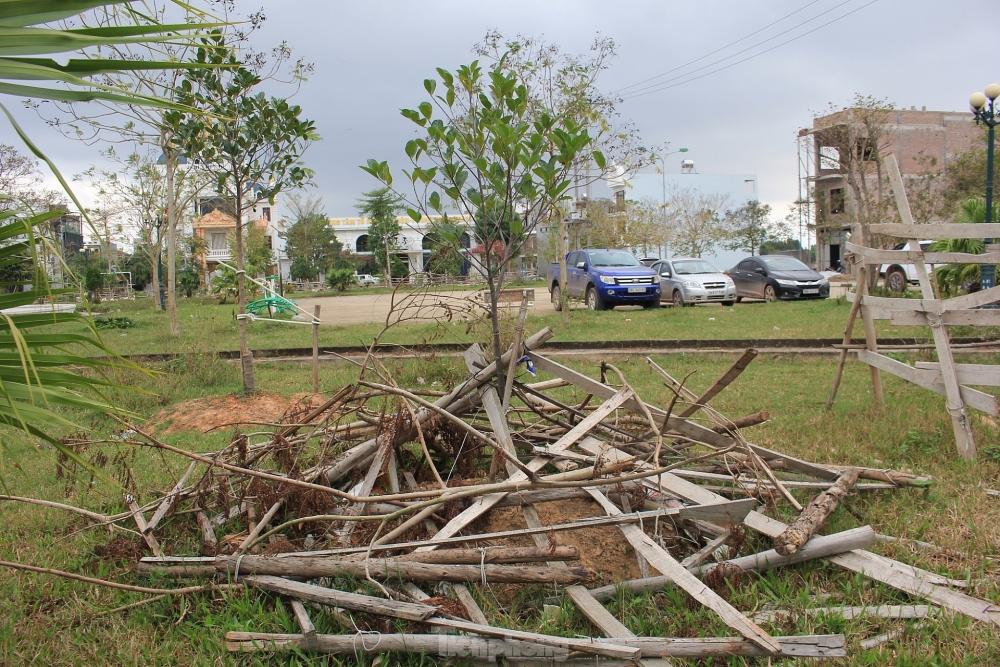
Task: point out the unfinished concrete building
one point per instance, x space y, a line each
842 147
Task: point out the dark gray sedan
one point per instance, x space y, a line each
773 277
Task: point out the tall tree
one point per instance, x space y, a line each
381 207
251 143
310 241
748 227
695 220
119 120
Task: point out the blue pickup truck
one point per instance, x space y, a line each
605 279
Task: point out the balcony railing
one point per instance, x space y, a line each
219 255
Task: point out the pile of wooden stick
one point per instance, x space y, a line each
393 486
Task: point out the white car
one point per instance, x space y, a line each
366 279
898 276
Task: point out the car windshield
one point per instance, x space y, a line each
612 258
779 263
690 267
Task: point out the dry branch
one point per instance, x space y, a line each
813 516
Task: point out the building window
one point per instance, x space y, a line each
866 150
362 243
749 187
837 201
829 157
620 198
266 213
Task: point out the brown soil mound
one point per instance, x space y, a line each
603 549
204 414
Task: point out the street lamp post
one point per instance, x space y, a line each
983 106
663 180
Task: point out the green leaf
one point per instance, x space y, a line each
599 159
414 214
430 85
426 109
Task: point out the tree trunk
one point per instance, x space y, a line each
246 356
563 275
171 162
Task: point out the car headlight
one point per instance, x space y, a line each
730 283
824 282
656 279
691 283
607 280
786 283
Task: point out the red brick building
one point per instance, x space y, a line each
922 141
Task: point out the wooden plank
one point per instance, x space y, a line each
964 439
305 624
937 306
819 546
592 386
871 343
492 404
570 438
972 397
140 522
355 601
489 648
982 374
207 531
589 646
962 230
877 256
964 318
903 577
659 558
471 606
905 611
170 498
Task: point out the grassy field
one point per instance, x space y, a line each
208 327
45 620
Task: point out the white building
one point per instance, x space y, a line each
414 246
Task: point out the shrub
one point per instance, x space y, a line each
104 323
340 279
188 280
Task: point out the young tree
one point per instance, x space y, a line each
637 225
495 148
695 220
310 241
381 207
250 143
748 227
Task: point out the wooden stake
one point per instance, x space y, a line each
315 362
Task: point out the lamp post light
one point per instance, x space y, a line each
983 107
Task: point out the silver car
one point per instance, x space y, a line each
691 280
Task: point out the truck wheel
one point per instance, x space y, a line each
593 299
895 280
556 298
678 299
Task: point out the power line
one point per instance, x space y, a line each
753 46
700 76
712 53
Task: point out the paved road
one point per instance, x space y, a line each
365 308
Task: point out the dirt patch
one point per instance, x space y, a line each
603 549
204 414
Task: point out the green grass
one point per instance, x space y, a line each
57 622
208 327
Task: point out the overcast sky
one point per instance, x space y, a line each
371 58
